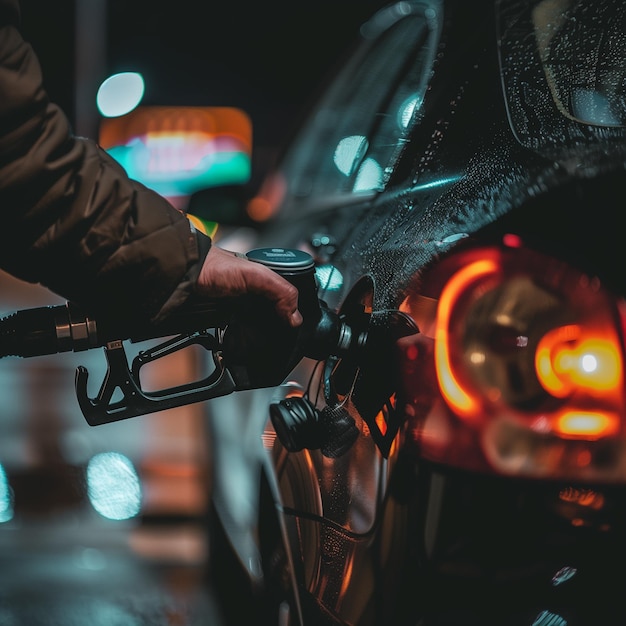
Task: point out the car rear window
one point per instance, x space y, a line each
582 47
563 66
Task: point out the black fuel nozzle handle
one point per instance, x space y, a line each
253 348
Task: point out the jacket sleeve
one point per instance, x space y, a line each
70 218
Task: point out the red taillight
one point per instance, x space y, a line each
528 359
568 357
459 396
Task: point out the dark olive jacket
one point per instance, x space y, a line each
70 218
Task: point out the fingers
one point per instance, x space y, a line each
226 274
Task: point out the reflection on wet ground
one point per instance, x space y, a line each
79 569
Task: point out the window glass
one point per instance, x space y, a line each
563 65
582 46
359 129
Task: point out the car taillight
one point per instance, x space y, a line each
525 355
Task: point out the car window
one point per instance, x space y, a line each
360 127
582 46
563 66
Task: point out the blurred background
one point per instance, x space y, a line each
105 525
265 57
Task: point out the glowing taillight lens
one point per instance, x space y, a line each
567 358
458 395
528 360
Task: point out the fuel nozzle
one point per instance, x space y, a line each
297 422
250 346
260 349
324 333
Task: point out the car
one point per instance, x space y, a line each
460 187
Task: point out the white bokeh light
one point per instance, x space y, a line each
113 486
120 94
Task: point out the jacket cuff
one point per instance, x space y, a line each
204 245
186 286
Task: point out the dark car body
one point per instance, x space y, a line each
461 187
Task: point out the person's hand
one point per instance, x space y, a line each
225 274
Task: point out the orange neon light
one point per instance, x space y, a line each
148 120
457 397
566 360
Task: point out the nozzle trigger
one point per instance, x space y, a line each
134 401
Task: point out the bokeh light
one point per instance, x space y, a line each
113 486
120 94
6 497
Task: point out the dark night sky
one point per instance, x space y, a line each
267 57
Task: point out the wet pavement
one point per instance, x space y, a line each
77 569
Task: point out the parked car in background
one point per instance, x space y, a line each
460 185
